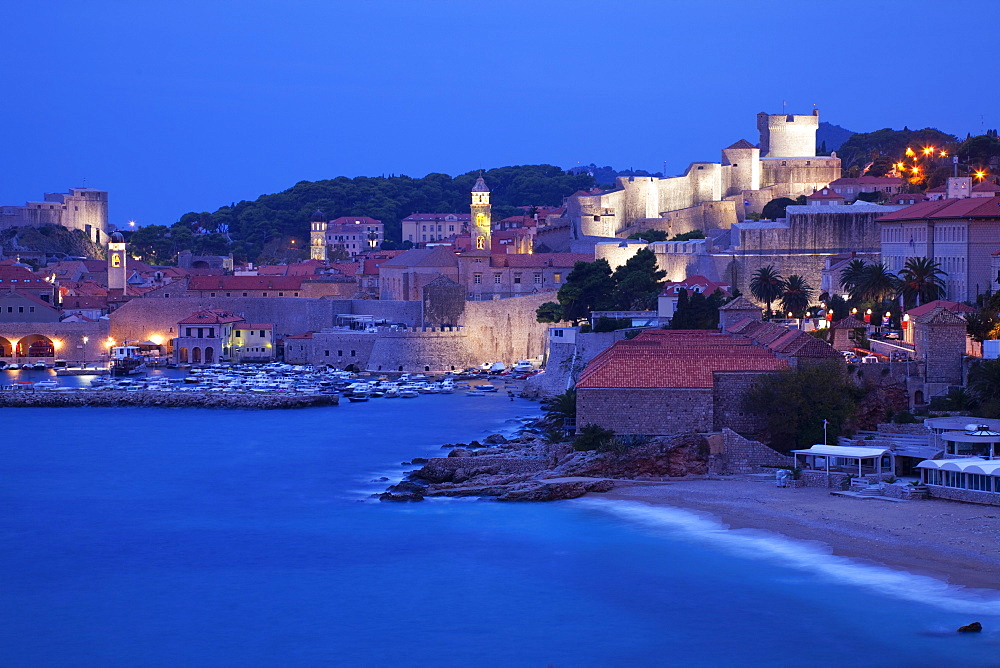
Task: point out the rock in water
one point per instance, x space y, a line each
974 627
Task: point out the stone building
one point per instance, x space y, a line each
84 209
420 228
939 341
672 381
961 235
206 337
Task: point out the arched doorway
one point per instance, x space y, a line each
6 348
36 345
196 355
209 355
182 355
918 398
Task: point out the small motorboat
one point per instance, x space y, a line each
486 387
39 366
475 393
357 396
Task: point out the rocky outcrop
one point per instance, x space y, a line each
529 469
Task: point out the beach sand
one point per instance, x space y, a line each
955 542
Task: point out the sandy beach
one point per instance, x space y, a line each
955 542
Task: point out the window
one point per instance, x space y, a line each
187 332
354 353
496 278
262 333
31 309
229 294
236 333
538 279
296 294
263 294
477 278
340 353
244 294
326 353
201 333
166 294
211 294
20 309
557 278
281 294
557 332
517 279
211 332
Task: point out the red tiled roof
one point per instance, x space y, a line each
986 187
244 325
824 193
210 317
973 207
29 297
19 275
677 358
307 335
868 181
540 260
707 286
955 307
245 283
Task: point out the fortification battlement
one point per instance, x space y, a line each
788 135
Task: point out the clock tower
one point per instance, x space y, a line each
116 262
317 236
481 221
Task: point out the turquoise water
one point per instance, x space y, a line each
166 537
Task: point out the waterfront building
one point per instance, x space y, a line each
84 209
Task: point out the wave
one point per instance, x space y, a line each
801 555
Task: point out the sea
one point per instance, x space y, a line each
198 537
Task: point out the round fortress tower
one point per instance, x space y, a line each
788 135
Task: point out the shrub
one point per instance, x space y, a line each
845 482
593 437
904 417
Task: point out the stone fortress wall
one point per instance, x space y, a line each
84 209
746 178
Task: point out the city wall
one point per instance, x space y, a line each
67 339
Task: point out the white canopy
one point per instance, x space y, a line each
989 467
843 451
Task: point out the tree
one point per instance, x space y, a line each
549 312
876 283
589 287
637 283
921 280
793 404
649 235
697 311
851 274
775 209
984 384
796 296
687 236
766 285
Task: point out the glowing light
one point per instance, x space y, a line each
928 150
915 170
156 338
901 166
85 339
110 342
131 223
909 152
56 344
944 154
980 174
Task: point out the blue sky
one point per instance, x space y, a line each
179 106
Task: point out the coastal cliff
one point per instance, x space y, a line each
529 469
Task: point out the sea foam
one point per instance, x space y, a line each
801 555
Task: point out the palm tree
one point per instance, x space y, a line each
766 285
984 379
921 280
851 274
796 296
876 283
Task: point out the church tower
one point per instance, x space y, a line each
116 263
317 236
481 216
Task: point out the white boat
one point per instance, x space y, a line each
475 393
486 387
46 384
408 394
39 366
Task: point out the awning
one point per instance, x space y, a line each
989 467
843 451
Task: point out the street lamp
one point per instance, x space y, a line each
84 364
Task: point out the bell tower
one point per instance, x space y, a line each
481 216
317 236
116 262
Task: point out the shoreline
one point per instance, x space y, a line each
949 541
153 399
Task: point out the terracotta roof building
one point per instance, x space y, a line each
672 381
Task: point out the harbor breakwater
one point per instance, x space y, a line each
148 398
